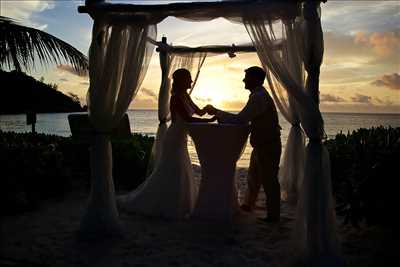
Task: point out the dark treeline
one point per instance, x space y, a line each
39 167
21 93
365 173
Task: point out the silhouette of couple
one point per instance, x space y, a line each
169 191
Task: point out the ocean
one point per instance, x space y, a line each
146 122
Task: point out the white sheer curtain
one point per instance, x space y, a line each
170 62
315 226
316 219
118 59
163 108
292 163
200 57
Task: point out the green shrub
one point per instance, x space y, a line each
31 170
130 158
365 173
36 167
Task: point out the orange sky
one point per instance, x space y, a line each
360 72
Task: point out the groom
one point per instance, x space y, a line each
265 138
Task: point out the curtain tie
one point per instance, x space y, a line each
297 124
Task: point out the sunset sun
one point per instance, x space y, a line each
213 91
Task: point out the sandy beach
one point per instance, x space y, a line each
47 237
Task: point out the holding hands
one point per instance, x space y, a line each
210 109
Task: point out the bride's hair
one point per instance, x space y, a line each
177 75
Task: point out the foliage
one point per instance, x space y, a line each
53 86
364 174
22 93
74 97
21 47
36 167
130 158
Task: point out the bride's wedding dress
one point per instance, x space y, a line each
169 190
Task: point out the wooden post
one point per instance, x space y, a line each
93 2
164 72
31 119
162 94
315 49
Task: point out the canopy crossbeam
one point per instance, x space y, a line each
281 9
163 46
220 49
204 49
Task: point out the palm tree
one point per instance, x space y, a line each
22 46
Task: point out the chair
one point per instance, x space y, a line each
82 131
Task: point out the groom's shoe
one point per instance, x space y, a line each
268 220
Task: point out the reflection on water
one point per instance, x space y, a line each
146 122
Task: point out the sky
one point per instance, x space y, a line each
360 71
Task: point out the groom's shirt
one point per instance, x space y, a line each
260 112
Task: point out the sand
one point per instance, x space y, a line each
47 237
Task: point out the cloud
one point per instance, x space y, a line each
361 49
354 16
23 11
233 104
360 108
362 99
202 99
351 59
71 70
340 49
86 33
360 37
386 102
391 81
218 31
148 92
331 98
383 43
139 103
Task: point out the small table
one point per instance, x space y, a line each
218 147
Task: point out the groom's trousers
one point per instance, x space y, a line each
263 170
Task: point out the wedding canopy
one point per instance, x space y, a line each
191 58
119 55
195 11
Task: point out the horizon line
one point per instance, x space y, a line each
336 112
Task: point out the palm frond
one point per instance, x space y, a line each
22 46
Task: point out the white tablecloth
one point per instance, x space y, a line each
218 147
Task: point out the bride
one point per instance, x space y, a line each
169 190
